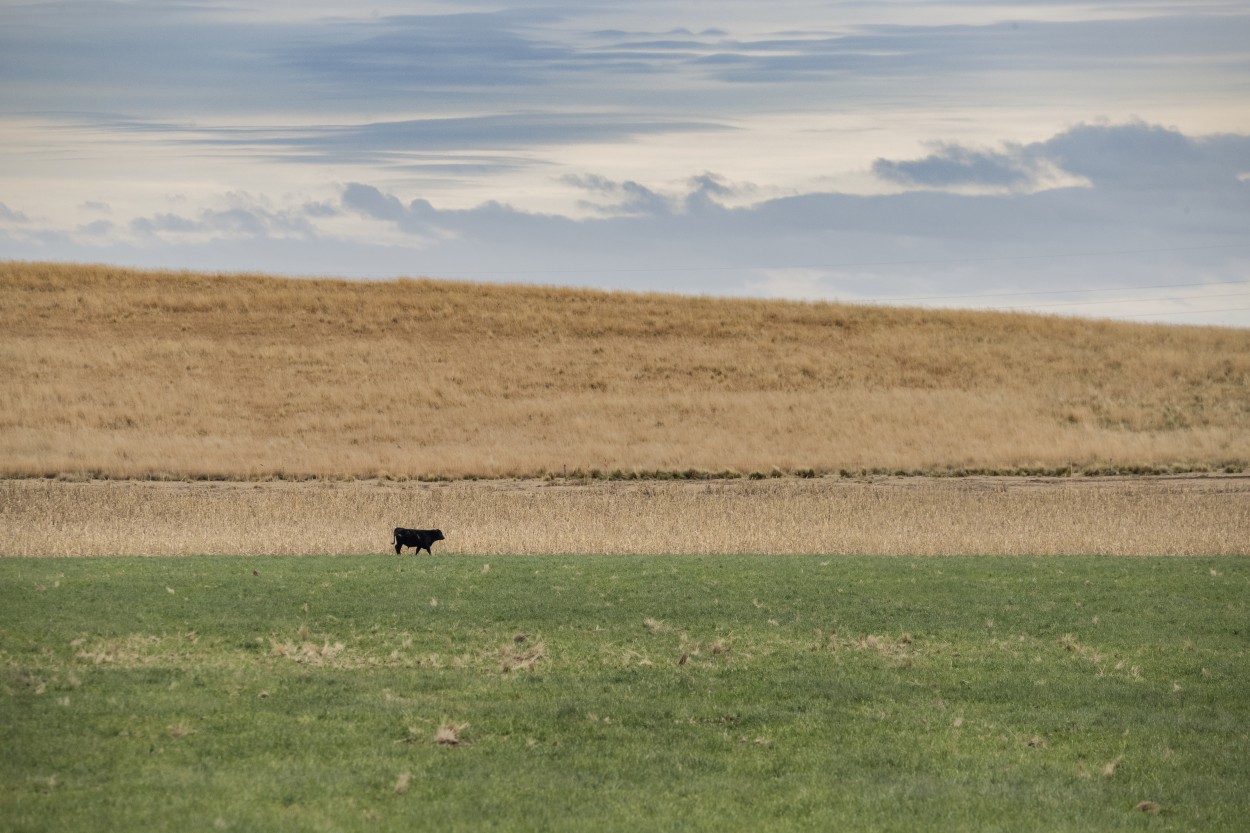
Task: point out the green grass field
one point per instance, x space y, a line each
624 693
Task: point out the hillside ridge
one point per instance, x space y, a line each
132 373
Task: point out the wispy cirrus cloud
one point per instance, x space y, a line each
157 60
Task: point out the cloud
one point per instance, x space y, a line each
1144 156
704 192
503 99
466 145
8 215
706 188
867 246
1136 156
319 210
235 221
417 218
627 198
1017 46
154 61
371 202
954 165
165 222
98 228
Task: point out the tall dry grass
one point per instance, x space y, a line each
1011 516
141 374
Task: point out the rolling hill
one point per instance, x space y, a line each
140 374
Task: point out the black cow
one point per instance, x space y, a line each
418 539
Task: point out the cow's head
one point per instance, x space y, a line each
438 535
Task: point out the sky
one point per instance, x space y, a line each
1070 158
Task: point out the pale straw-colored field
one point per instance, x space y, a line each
888 516
146 374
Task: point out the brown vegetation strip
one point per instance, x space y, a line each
920 516
144 374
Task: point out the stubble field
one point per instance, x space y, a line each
876 516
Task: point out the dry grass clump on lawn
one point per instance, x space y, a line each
449 734
148 374
915 516
520 657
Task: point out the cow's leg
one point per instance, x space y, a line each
398 547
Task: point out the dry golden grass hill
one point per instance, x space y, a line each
158 374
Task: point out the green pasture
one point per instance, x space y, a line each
611 693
